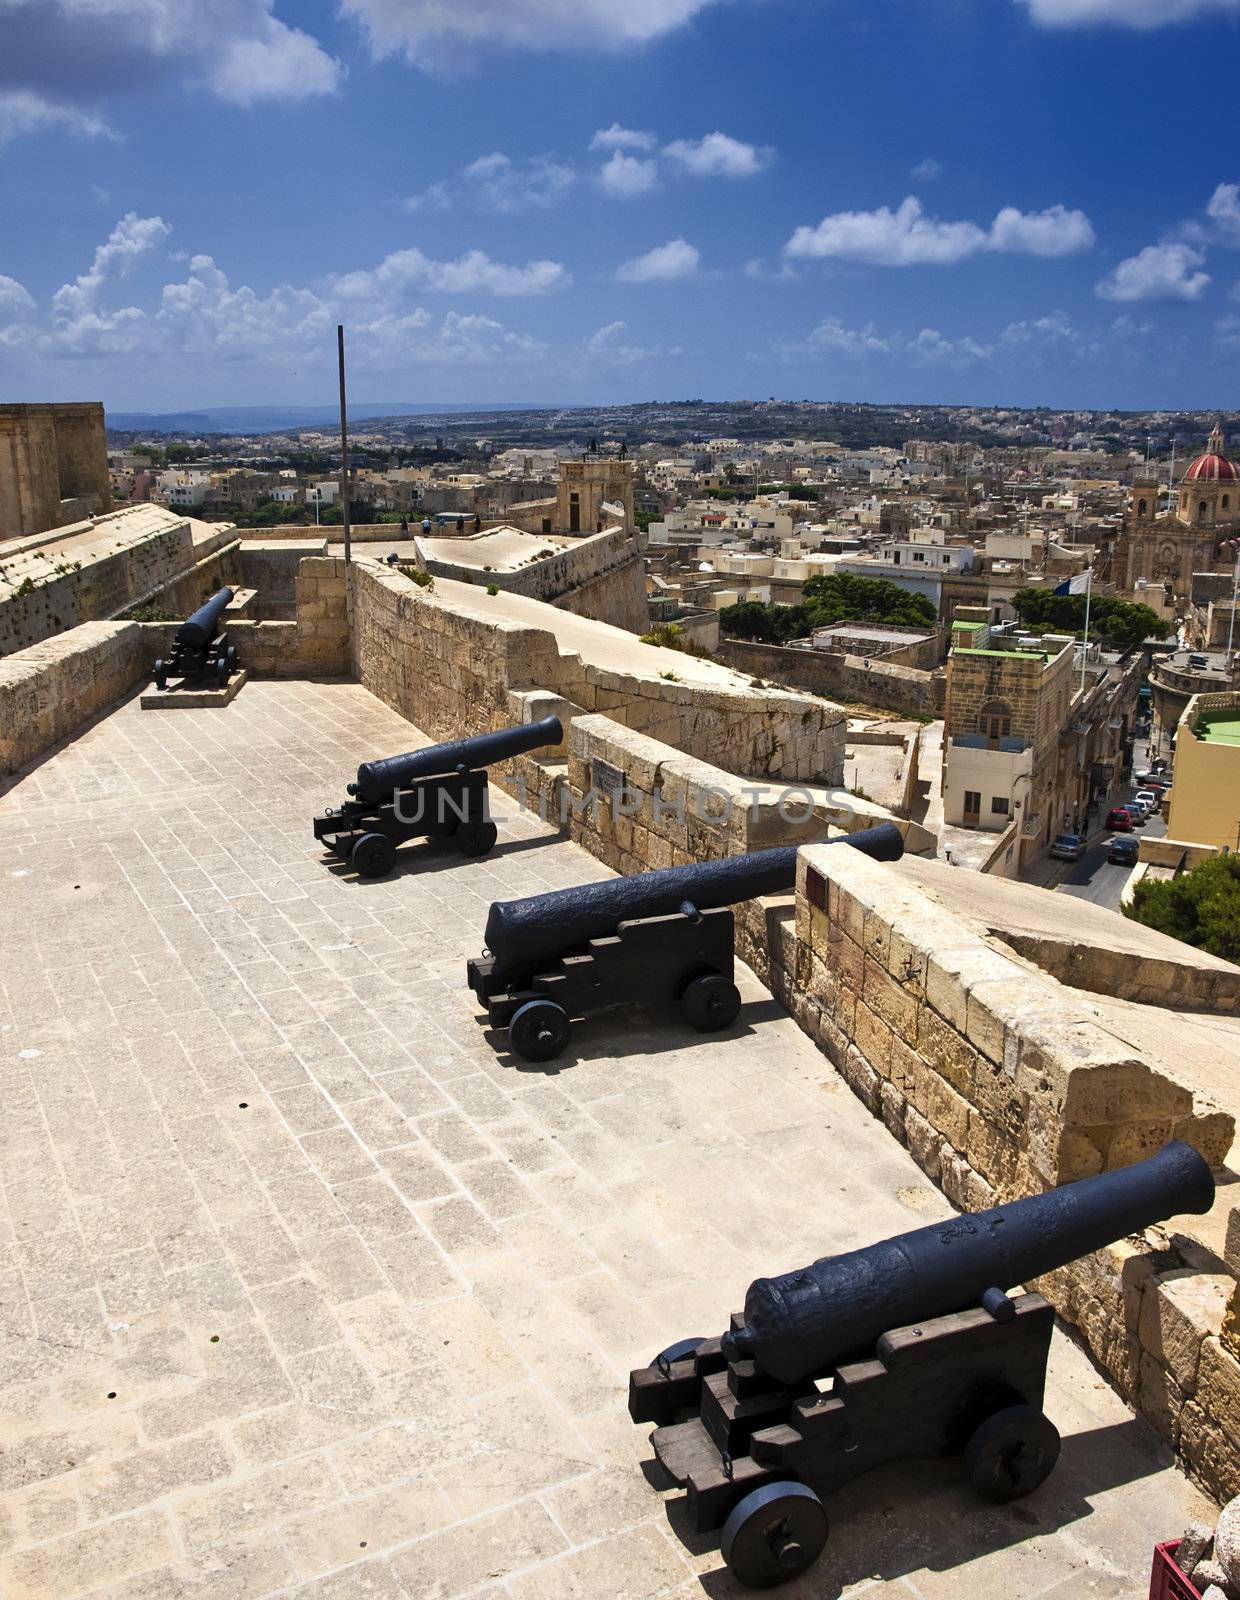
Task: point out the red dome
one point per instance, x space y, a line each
1212 468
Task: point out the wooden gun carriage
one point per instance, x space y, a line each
664 938
906 1349
440 792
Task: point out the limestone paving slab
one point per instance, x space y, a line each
306 1291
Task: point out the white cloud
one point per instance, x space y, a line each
502 184
473 273
931 347
1143 14
14 296
202 316
1223 211
832 336
664 264
928 170
1057 325
496 182
608 347
618 138
278 63
431 32
24 111
717 155
64 56
907 237
1159 272
1228 331
625 177
1055 232
131 238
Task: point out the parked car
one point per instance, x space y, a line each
1068 847
1137 813
1122 850
1137 807
1149 799
1118 821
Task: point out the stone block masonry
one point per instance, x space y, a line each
50 689
447 659
1001 1084
853 679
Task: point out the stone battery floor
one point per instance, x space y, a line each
304 1291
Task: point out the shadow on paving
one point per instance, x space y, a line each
618 1034
921 1516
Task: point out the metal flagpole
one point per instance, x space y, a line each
1089 584
344 445
1231 626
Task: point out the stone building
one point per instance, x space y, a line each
1168 549
53 466
1004 712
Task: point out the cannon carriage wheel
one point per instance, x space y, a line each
539 1030
475 838
774 1534
710 1002
160 674
221 670
373 855
1011 1453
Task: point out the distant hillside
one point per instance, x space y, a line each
275 419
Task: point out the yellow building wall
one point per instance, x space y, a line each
1205 797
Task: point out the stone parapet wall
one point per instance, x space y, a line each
449 668
48 690
1002 1085
843 677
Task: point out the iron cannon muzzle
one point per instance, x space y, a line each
201 626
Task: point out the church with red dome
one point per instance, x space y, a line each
1193 537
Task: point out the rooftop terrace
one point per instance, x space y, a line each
307 1292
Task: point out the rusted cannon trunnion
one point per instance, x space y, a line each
665 939
440 792
756 1450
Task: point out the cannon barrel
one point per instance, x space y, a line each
520 933
378 780
201 626
805 1322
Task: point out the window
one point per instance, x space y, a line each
1226 502
995 719
1142 507
972 802
1201 508
1000 806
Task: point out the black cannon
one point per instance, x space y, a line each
439 792
201 648
910 1348
665 938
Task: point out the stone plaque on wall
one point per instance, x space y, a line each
606 779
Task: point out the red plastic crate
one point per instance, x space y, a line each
1167 1582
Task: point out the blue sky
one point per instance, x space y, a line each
979 201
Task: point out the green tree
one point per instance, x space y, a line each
1201 907
1118 622
750 619
842 597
